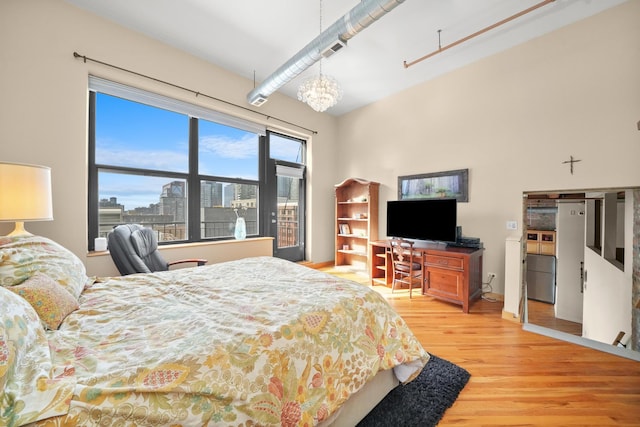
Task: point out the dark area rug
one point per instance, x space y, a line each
424 400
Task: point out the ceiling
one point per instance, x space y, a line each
252 38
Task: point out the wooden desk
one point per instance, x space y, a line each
451 274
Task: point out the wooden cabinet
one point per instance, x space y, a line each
454 275
450 273
356 222
541 242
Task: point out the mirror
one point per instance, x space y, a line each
581 275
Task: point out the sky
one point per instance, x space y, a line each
135 135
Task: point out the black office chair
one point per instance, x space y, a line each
134 249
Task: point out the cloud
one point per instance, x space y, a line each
230 148
132 191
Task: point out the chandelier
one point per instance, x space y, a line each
320 92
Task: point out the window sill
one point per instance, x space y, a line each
191 245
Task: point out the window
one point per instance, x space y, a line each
287 149
606 227
594 225
185 171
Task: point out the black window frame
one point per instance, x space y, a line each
192 178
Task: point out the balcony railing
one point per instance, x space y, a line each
176 231
287 234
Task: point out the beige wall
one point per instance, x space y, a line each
512 119
43 108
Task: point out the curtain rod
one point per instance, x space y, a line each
196 93
477 33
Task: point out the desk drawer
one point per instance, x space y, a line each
444 262
444 283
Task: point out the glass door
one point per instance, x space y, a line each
286 190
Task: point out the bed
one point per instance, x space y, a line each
258 341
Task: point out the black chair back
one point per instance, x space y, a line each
134 249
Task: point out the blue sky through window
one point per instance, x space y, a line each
135 135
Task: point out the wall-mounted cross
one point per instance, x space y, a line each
571 162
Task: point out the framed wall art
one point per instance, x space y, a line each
438 185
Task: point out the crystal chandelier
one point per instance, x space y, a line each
320 92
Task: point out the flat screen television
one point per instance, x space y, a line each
423 219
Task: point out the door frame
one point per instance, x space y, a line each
269 203
634 230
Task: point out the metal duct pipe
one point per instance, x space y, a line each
356 20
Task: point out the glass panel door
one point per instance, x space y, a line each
287 213
286 197
288 227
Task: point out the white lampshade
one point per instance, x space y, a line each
25 194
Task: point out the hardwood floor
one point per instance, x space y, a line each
542 314
520 378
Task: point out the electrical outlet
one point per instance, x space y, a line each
491 275
512 225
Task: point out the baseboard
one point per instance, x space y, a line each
607 348
507 315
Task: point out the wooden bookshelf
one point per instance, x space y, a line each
356 222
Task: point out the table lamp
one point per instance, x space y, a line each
25 195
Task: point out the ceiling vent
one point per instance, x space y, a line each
339 44
258 100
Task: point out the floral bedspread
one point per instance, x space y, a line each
259 341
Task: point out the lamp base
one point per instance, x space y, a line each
19 230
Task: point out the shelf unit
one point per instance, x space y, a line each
380 259
541 242
356 222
